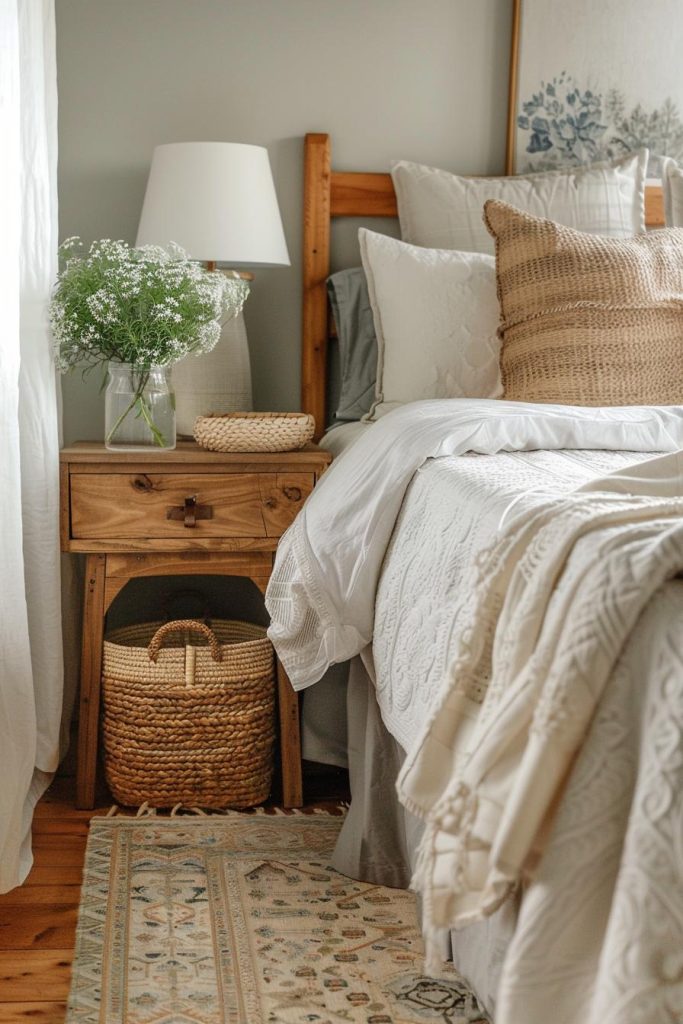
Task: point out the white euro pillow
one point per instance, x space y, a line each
436 315
444 210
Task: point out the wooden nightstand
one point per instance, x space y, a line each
184 512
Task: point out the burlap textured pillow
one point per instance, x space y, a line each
587 320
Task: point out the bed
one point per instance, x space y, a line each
569 934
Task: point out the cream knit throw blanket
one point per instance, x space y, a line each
557 599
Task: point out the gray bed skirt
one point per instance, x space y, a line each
379 840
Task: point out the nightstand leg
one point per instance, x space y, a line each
290 740
91 675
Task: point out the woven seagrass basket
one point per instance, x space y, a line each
254 431
192 721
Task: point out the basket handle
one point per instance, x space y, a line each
175 627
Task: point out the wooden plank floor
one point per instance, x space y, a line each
38 920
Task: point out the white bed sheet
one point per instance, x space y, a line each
341 437
324 733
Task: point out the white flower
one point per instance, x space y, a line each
148 306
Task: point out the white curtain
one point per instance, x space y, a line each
31 668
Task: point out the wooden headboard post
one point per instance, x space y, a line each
316 262
329 194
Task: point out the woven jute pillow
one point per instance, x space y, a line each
587 320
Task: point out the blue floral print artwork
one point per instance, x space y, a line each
567 125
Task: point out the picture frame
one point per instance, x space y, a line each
591 82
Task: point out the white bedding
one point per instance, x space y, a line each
451 510
324 736
586 947
341 437
321 596
553 756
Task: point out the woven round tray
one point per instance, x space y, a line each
254 431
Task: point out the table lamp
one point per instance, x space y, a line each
217 200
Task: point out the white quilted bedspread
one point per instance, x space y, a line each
404 531
450 513
321 595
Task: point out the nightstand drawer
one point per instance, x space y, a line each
172 505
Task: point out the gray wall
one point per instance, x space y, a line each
388 79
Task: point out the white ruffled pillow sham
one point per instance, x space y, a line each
443 210
436 315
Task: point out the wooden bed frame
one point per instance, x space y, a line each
329 194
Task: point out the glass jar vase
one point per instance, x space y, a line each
139 408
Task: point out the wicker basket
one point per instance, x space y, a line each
193 723
254 431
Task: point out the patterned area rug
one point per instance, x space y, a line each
240 920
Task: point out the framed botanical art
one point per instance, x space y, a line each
592 80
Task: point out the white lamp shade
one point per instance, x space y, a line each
217 200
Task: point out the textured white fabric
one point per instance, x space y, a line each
599 936
672 187
324 736
601 922
557 601
321 595
30 633
444 210
436 317
452 509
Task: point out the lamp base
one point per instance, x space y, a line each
217 381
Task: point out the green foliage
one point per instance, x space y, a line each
146 306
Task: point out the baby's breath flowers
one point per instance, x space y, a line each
144 307
147 306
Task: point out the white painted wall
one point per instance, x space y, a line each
388 79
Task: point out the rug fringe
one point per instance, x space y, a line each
179 810
145 811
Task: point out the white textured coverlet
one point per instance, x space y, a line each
451 510
599 937
601 924
321 597
548 637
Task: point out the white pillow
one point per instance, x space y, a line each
443 210
436 315
672 187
